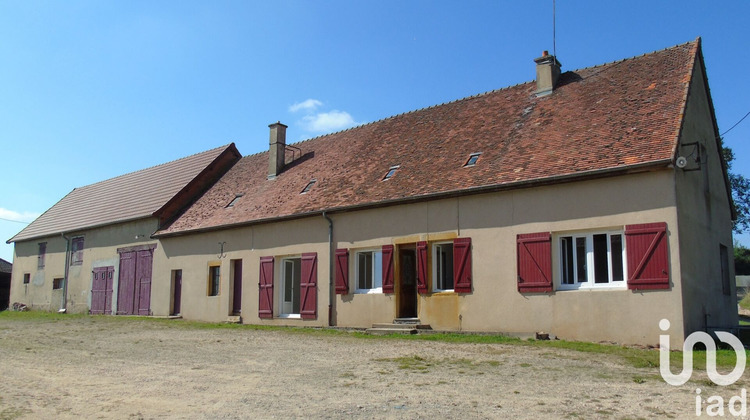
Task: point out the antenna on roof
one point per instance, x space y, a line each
554 47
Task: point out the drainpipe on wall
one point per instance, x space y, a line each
331 295
64 303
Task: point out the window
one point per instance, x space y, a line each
308 186
726 286
214 279
472 159
592 260
76 251
291 276
234 200
390 172
26 278
41 254
369 271
442 266
58 283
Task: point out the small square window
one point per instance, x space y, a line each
442 258
214 279
308 186
369 271
58 283
26 278
390 172
473 158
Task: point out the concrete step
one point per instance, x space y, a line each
234 319
395 326
391 330
407 321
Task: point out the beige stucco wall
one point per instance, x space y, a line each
100 250
492 221
704 220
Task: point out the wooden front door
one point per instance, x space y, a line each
101 290
134 282
407 288
237 287
177 293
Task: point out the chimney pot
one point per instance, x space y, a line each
276 148
545 53
547 73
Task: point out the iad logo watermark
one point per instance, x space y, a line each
715 403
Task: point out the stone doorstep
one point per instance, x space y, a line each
234 319
391 330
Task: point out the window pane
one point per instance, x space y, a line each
601 266
444 275
566 255
581 260
364 271
288 280
616 252
296 285
377 281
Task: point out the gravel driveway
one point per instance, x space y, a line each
112 367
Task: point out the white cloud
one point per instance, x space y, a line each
328 121
308 105
25 217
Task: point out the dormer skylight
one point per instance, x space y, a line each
308 186
473 158
390 173
234 201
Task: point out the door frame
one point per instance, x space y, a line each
404 308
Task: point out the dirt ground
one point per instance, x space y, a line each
107 367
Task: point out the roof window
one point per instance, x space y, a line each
308 186
390 172
234 200
473 158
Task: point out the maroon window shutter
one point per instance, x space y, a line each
462 265
648 256
534 254
309 286
342 271
387 268
422 267
265 286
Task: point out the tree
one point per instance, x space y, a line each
740 193
741 260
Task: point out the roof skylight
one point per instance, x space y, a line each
308 186
234 200
390 173
473 158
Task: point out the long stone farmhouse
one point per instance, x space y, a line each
588 204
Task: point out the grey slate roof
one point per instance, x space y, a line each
5 266
132 196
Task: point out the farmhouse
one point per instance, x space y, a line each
589 204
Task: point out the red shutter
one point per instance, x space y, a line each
534 254
648 256
387 268
265 286
342 271
309 286
422 267
462 265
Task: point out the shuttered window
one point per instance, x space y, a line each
342 271
309 286
534 260
265 286
592 260
647 256
387 269
76 251
368 270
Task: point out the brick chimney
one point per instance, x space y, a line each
276 149
547 72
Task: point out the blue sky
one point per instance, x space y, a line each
94 89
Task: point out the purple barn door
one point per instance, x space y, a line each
108 291
126 284
143 268
177 298
101 291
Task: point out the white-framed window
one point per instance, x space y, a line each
291 277
442 266
592 259
368 269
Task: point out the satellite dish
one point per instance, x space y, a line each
681 162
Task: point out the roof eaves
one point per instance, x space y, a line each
77 229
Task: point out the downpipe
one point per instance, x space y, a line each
64 302
331 295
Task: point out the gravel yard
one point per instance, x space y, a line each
114 367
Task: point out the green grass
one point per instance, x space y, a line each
643 358
745 302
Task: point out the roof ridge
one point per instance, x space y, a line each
152 167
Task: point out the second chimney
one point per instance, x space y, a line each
547 72
276 149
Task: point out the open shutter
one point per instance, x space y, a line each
387 268
265 286
648 256
422 267
534 254
462 265
342 271
309 286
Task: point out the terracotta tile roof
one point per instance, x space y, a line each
127 197
605 118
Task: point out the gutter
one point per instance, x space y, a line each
331 294
64 302
538 182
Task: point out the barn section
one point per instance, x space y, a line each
92 251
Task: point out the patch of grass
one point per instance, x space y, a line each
639 379
745 302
